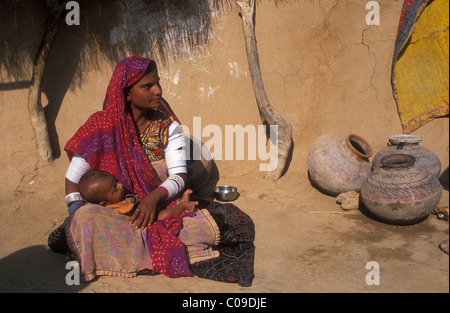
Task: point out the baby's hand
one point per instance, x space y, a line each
185 197
178 209
189 205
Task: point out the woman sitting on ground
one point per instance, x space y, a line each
139 140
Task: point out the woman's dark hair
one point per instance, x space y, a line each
150 68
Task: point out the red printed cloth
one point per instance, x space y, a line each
166 249
108 140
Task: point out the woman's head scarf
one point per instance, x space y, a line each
108 140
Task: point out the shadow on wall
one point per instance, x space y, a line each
203 173
444 179
35 269
108 30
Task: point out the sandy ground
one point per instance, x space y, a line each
304 243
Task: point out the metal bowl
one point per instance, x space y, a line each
225 193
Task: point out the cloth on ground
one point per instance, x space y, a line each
236 247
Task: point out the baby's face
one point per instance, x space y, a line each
111 190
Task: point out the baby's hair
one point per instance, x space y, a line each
89 183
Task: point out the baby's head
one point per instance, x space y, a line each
100 187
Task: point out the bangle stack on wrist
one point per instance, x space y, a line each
73 197
174 184
74 201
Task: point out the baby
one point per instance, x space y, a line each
100 187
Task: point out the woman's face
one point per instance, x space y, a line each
146 93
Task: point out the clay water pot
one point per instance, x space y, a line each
400 192
337 164
409 144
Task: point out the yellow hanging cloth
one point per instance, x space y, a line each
420 75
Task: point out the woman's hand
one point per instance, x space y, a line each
145 212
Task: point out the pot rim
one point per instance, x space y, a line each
398 161
365 146
402 138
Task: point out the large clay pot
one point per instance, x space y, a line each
409 144
337 164
400 192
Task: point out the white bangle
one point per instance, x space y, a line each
77 167
72 197
174 184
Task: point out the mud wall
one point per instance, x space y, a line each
324 69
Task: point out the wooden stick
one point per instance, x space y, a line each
267 112
35 109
